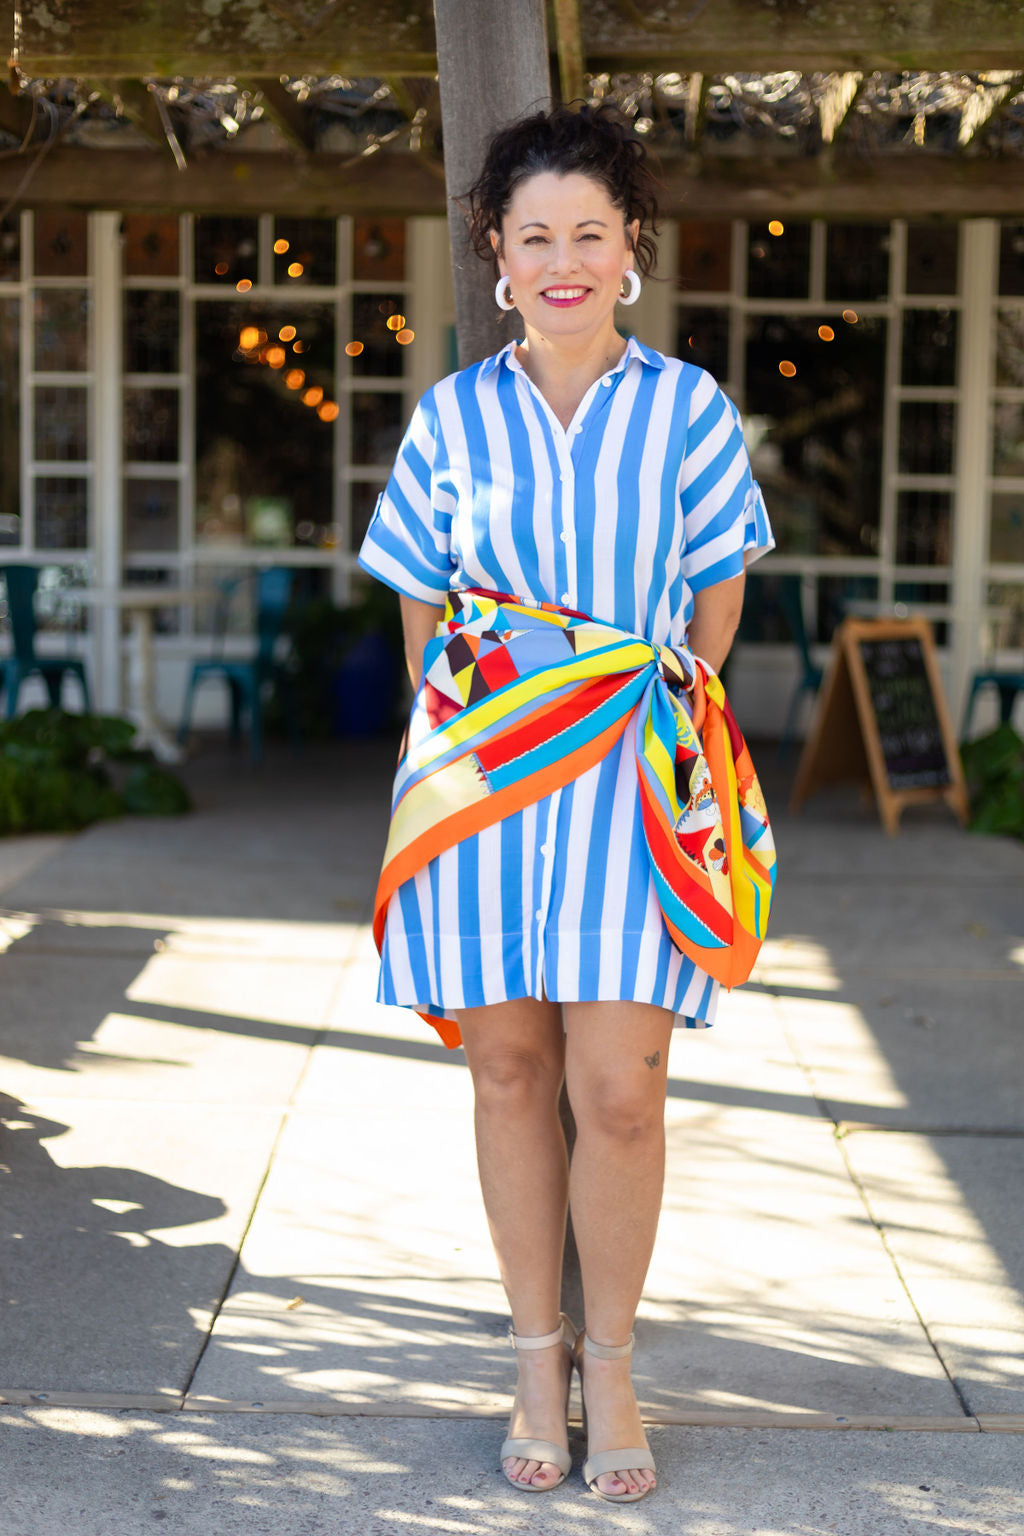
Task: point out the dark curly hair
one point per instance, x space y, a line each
584 141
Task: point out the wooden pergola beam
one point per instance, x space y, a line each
401 184
134 100
987 103
569 47
269 38
15 113
285 112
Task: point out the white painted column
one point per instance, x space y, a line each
979 254
105 267
431 305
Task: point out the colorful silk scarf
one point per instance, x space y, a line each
524 697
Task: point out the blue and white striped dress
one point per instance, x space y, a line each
646 499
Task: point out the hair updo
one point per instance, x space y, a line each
591 141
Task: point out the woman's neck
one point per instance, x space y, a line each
563 368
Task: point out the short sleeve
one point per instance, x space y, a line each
408 542
725 522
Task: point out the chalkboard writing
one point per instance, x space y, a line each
903 702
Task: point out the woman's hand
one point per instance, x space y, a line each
419 622
716 617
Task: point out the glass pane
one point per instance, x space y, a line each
166 621
839 596
1011 259
1006 531
373 348
857 261
56 609
914 595
304 251
926 437
10 416
1006 600
763 620
1008 440
150 515
10 248
362 500
62 330
151 426
61 423
703 338
924 528
779 266
226 250
378 250
62 513
705 257
1010 348
150 244
377 422
152 327
61 244
933 258
929 346
264 414
814 415
230 609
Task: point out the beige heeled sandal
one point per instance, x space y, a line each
542 1450
602 1462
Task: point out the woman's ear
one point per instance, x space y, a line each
496 244
633 234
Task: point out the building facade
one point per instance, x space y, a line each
183 398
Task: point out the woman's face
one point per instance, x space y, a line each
564 247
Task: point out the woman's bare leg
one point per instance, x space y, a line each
616 1071
516 1055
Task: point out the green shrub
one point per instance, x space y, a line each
994 769
60 772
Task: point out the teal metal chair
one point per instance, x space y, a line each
791 604
1006 623
1008 684
24 661
246 677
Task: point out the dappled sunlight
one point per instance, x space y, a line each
796 960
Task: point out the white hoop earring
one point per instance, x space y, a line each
503 293
630 277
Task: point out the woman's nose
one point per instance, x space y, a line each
564 256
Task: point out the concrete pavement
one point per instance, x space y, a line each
247 1276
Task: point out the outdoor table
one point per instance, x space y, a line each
140 605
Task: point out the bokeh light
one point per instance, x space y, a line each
243 285
249 338
396 322
787 369
404 336
276 356
295 269
826 333
328 411
353 348
286 333
280 246
295 378
776 227
313 395
221 269
298 346
850 316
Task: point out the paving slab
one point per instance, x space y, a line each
123 1474
926 1053
19 856
950 1210
121 1226
367 1278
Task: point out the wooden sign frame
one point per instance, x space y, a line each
844 742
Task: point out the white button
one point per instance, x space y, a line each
564 537
607 383
539 912
565 597
545 848
578 427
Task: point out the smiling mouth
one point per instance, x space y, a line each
563 297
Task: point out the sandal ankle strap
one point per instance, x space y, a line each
608 1351
565 1334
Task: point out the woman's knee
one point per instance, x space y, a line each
511 1078
617 1107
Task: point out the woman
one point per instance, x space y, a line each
606 488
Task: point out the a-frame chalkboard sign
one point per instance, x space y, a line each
882 718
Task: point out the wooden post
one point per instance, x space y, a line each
492 63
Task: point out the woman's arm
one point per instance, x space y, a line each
419 621
716 617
